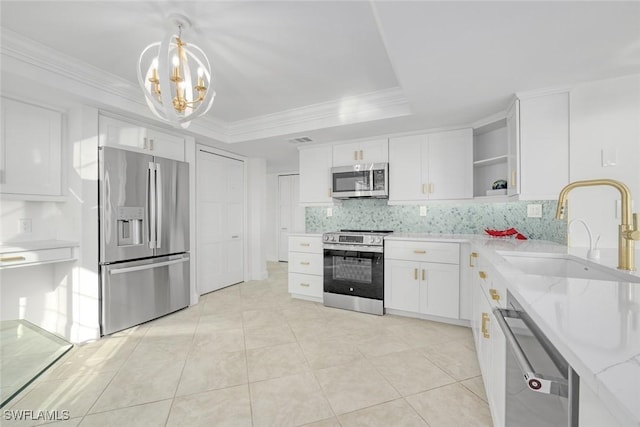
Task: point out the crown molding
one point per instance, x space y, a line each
35 61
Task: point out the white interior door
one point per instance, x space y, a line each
220 221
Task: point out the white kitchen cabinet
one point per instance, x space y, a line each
30 151
489 339
37 253
315 175
544 146
374 151
435 166
306 267
513 148
135 137
422 277
490 158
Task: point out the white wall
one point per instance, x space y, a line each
603 115
271 235
256 219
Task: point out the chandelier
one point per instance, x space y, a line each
175 77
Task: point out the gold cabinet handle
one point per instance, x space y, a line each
151 144
355 155
423 278
482 274
415 274
513 178
304 262
424 188
494 294
485 320
472 255
304 285
305 244
12 259
329 192
361 156
430 187
145 144
419 251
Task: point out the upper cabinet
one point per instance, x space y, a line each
544 145
30 151
435 166
134 137
315 175
374 151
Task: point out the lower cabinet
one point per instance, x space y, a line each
431 288
306 267
489 339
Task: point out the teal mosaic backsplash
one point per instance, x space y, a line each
455 218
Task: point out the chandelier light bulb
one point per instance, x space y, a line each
175 76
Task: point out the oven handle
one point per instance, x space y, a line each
536 382
353 248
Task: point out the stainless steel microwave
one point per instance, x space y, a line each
363 180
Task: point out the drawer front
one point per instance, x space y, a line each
32 257
305 263
305 284
448 253
306 244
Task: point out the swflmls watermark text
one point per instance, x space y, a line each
29 415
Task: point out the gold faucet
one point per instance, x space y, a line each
626 232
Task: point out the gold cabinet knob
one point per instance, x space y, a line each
494 294
482 274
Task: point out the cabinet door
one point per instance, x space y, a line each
165 145
482 328
451 165
120 134
346 154
544 140
513 148
30 150
315 175
405 168
439 289
497 373
376 151
402 285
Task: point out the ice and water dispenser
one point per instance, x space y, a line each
130 225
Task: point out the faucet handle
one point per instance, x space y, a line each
634 233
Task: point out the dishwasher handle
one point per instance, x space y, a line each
535 382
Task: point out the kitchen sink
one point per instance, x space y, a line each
561 265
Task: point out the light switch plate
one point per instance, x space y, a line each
423 211
534 210
329 212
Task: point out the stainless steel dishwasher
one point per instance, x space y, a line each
541 388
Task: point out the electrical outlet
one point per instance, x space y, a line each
329 212
534 210
24 225
423 211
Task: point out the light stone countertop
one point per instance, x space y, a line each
35 245
595 324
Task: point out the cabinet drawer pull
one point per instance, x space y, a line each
482 274
329 192
424 188
471 257
415 274
485 330
151 144
305 244
513 178
494 294
430 187
423 277
12 258
304 285
304 262
355 155
145 144
361 156
419 251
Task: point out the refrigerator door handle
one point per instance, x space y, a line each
159 190
146 266
151 197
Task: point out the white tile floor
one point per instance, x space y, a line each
249 355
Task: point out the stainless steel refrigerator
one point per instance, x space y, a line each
144 237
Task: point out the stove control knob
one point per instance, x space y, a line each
377 240
333 238
326 237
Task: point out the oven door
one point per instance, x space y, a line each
357 273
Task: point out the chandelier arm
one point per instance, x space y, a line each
164 67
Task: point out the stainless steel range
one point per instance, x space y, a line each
354 270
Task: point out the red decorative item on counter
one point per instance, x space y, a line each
505 233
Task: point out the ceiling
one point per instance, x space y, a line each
346 69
